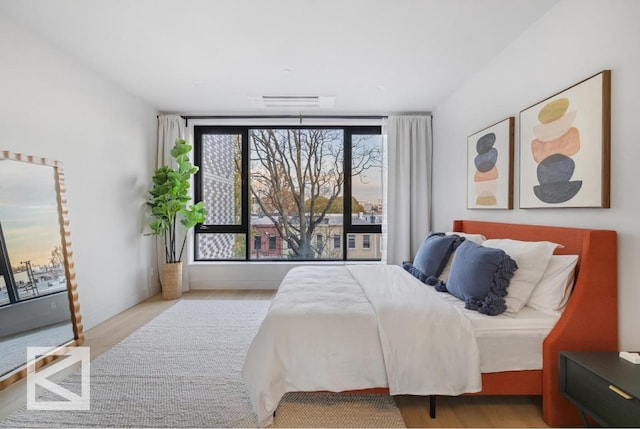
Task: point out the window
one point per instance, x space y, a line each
222 161
352 241
299 185
257 242
366 179
366 241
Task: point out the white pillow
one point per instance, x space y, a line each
476 238
532 258
552 292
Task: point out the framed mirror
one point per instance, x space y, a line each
38 291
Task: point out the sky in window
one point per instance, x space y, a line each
368 185
28 212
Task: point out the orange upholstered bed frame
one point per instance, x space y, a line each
589 321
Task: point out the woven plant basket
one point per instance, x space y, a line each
172 280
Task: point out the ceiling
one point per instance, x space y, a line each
212 56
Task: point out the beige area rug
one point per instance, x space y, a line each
182 369
335 410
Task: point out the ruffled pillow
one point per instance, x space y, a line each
476 238
432 257
480 276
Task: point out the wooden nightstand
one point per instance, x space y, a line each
602 385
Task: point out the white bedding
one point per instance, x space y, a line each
319 334
428 344
359 327
507 342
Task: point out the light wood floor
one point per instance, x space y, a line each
452 412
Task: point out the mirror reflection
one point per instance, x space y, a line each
34 305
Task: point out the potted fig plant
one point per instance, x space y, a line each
168 201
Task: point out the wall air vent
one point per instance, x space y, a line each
293 101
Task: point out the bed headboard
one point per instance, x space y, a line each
590 320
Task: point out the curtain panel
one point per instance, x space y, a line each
407 217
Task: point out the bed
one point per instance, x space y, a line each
325 332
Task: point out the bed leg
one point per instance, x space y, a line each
432 406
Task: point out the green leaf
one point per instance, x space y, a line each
169 195
194 215
181 147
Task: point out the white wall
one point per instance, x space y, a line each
574 40
52 106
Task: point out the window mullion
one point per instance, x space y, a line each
6 272
346 210
246 197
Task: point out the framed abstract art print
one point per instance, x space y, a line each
490 167
565 147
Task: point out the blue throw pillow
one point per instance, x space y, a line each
433 255
480 276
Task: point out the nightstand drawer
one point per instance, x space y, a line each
593 394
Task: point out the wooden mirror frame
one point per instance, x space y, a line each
69 266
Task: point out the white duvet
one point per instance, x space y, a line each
357 327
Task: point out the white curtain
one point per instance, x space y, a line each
407 217
170 127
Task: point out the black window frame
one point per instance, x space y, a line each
348 226
7 273
244 227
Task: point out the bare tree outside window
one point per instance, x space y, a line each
297 178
